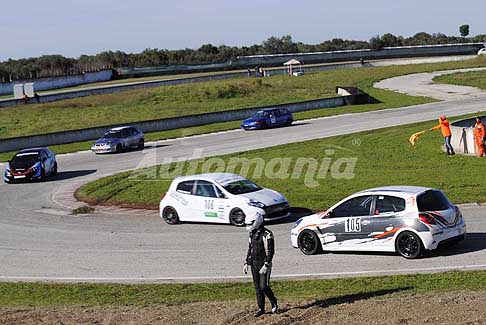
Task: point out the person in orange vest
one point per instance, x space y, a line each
479 136
446 133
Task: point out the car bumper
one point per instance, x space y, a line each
293 238
103 149
21 178
250 127
433 240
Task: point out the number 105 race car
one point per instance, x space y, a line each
404 219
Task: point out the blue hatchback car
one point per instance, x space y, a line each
268 118
31 164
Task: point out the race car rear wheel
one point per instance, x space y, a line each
141 144
170 216
54 170
237 217
409 245
118 148
309 243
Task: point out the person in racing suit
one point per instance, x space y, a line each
261 249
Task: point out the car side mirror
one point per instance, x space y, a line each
221 196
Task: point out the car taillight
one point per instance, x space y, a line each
428 220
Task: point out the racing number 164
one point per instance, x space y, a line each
352 225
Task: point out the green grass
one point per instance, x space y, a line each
171 101
384 157
345 290
472 79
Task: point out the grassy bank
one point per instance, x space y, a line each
472 79
383 157
171 101
45 294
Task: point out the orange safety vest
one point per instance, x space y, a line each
444 127
479 131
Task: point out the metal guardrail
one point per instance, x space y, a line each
57 138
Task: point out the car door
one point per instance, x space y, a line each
283 116
46 163
125 138
184 197
135 138
354 217
272 118
386 219
208 204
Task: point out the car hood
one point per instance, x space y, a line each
266 196
252 120
106 140
21 166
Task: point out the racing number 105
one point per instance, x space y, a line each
352 225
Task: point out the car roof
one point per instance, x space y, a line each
220 178
397 189
119 128
33 150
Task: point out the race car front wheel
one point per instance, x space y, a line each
170 216
408 245
309 243
237 218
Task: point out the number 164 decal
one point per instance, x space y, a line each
352 225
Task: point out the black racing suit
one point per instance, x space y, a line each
260 252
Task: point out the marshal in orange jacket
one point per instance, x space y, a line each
443 126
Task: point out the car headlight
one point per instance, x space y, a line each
34 169
255 203
297 223
7 172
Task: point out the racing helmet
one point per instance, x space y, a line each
254 221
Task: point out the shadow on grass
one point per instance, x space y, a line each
348 299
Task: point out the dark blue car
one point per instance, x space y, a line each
31 164
268 118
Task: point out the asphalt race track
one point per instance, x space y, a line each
40 240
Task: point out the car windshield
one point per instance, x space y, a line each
241 187
25 159
261 114
112 134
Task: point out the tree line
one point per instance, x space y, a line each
58 65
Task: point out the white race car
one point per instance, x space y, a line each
403 219
220 198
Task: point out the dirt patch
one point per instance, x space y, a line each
447 308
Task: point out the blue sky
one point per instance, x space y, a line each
32 28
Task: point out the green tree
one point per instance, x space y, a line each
464 30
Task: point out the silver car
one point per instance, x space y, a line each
409 220
119 139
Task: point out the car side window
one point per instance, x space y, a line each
386 204
125 133
283 112
206 189
185 187
357 206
